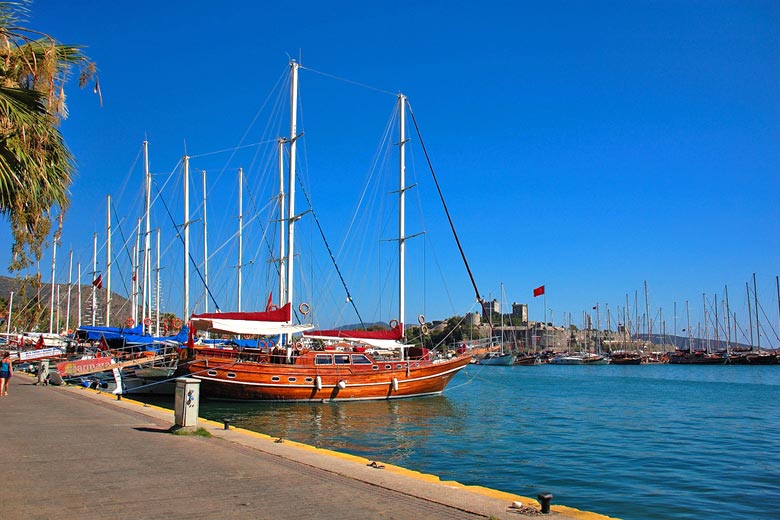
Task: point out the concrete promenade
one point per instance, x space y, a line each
71 452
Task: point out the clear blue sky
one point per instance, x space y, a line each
584 145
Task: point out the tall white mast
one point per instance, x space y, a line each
240 230
157 290
53 272
146 306
291 180
282 223
94 272
78 284
205 249
755 299
186 310
135 280
70 287
401 209
108 261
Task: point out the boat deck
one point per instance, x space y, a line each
78 453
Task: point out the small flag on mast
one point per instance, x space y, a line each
539 291
98 282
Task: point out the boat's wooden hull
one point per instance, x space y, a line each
257 381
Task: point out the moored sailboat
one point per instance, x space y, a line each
319 365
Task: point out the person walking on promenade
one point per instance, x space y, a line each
6 371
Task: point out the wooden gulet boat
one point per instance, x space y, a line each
353 365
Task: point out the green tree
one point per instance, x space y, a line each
36 168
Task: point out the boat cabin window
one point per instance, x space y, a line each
323 359
342 359
360 359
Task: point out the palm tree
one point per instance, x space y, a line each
36 168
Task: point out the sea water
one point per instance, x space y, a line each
647 441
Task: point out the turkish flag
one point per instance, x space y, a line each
539 291
98 282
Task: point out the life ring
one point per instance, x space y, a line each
298 345
393 323
147 321
424 329
129 322
184 353
304 308
177 323
421 319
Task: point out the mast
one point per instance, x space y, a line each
78 281
157 289
205 249
240 230
758 329
53 272
688 312
291 181
136 252
750 314
94 272
282 222
186 310
649 327
146 307
706 324
402 209
108 261
728 319
70 287
10 310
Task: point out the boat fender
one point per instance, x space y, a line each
304 308
342 385
318 382
395 384
421 319
393 324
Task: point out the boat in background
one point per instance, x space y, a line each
621 357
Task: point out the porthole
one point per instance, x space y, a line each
309 380
292 379
231 375
399 366
375 367
388 367
275 378
212 373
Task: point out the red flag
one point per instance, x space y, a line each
539 291
270 301
135 275
98 282
39 344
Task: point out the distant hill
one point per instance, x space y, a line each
121 308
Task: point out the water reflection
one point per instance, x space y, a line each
392 431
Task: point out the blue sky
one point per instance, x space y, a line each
586 146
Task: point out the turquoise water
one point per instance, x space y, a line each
648 441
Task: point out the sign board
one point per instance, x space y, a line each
84 366
28 355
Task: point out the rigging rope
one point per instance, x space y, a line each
446 210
